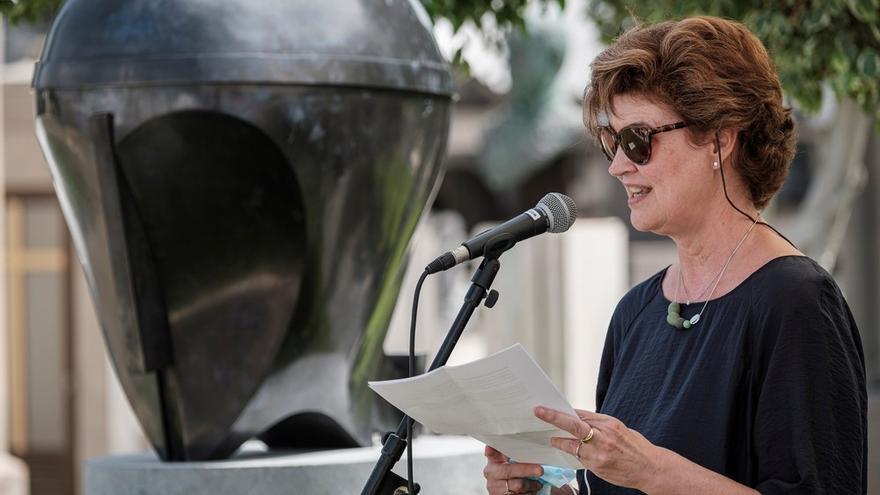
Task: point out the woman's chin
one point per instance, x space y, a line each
642 222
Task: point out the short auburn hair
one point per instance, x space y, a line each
716 74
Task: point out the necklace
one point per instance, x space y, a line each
683 287
673 312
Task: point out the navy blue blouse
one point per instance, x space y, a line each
767 389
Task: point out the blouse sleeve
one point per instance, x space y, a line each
809 394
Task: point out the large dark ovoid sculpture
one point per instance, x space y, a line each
241 180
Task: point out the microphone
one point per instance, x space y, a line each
555 213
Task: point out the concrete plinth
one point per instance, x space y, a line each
443 465
14 475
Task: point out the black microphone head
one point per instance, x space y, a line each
560 210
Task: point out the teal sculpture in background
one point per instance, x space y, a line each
540 120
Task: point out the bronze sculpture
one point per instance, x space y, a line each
241 180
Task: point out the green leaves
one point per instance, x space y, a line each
865 10
506 13
29 10
868 63
811 41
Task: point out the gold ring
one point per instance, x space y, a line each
588 437
507 488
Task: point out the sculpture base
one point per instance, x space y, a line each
13 475
443 465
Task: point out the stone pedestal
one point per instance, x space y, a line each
443 465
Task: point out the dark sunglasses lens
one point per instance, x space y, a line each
608 145
636 146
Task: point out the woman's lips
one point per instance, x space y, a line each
636 193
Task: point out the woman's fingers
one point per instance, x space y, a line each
591 417
504 477
515 485
510 471
571 446
574 425
494 455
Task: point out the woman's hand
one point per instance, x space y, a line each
615 453
503 478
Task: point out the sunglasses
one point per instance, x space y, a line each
635 140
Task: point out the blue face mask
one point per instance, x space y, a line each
553 477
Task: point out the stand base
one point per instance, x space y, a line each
443 465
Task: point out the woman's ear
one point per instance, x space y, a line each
726 139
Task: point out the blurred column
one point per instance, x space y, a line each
90 375
595 260
859 268
858 272
13 473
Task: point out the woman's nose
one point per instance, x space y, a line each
621 165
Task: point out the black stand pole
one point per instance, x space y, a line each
382 481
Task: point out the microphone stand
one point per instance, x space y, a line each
382 480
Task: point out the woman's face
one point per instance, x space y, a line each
667 195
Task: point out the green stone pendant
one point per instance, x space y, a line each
674 318
673 315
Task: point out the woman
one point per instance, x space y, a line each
739 368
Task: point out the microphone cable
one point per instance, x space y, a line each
412 372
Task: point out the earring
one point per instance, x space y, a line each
715 164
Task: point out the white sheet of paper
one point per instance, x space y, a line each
491 399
